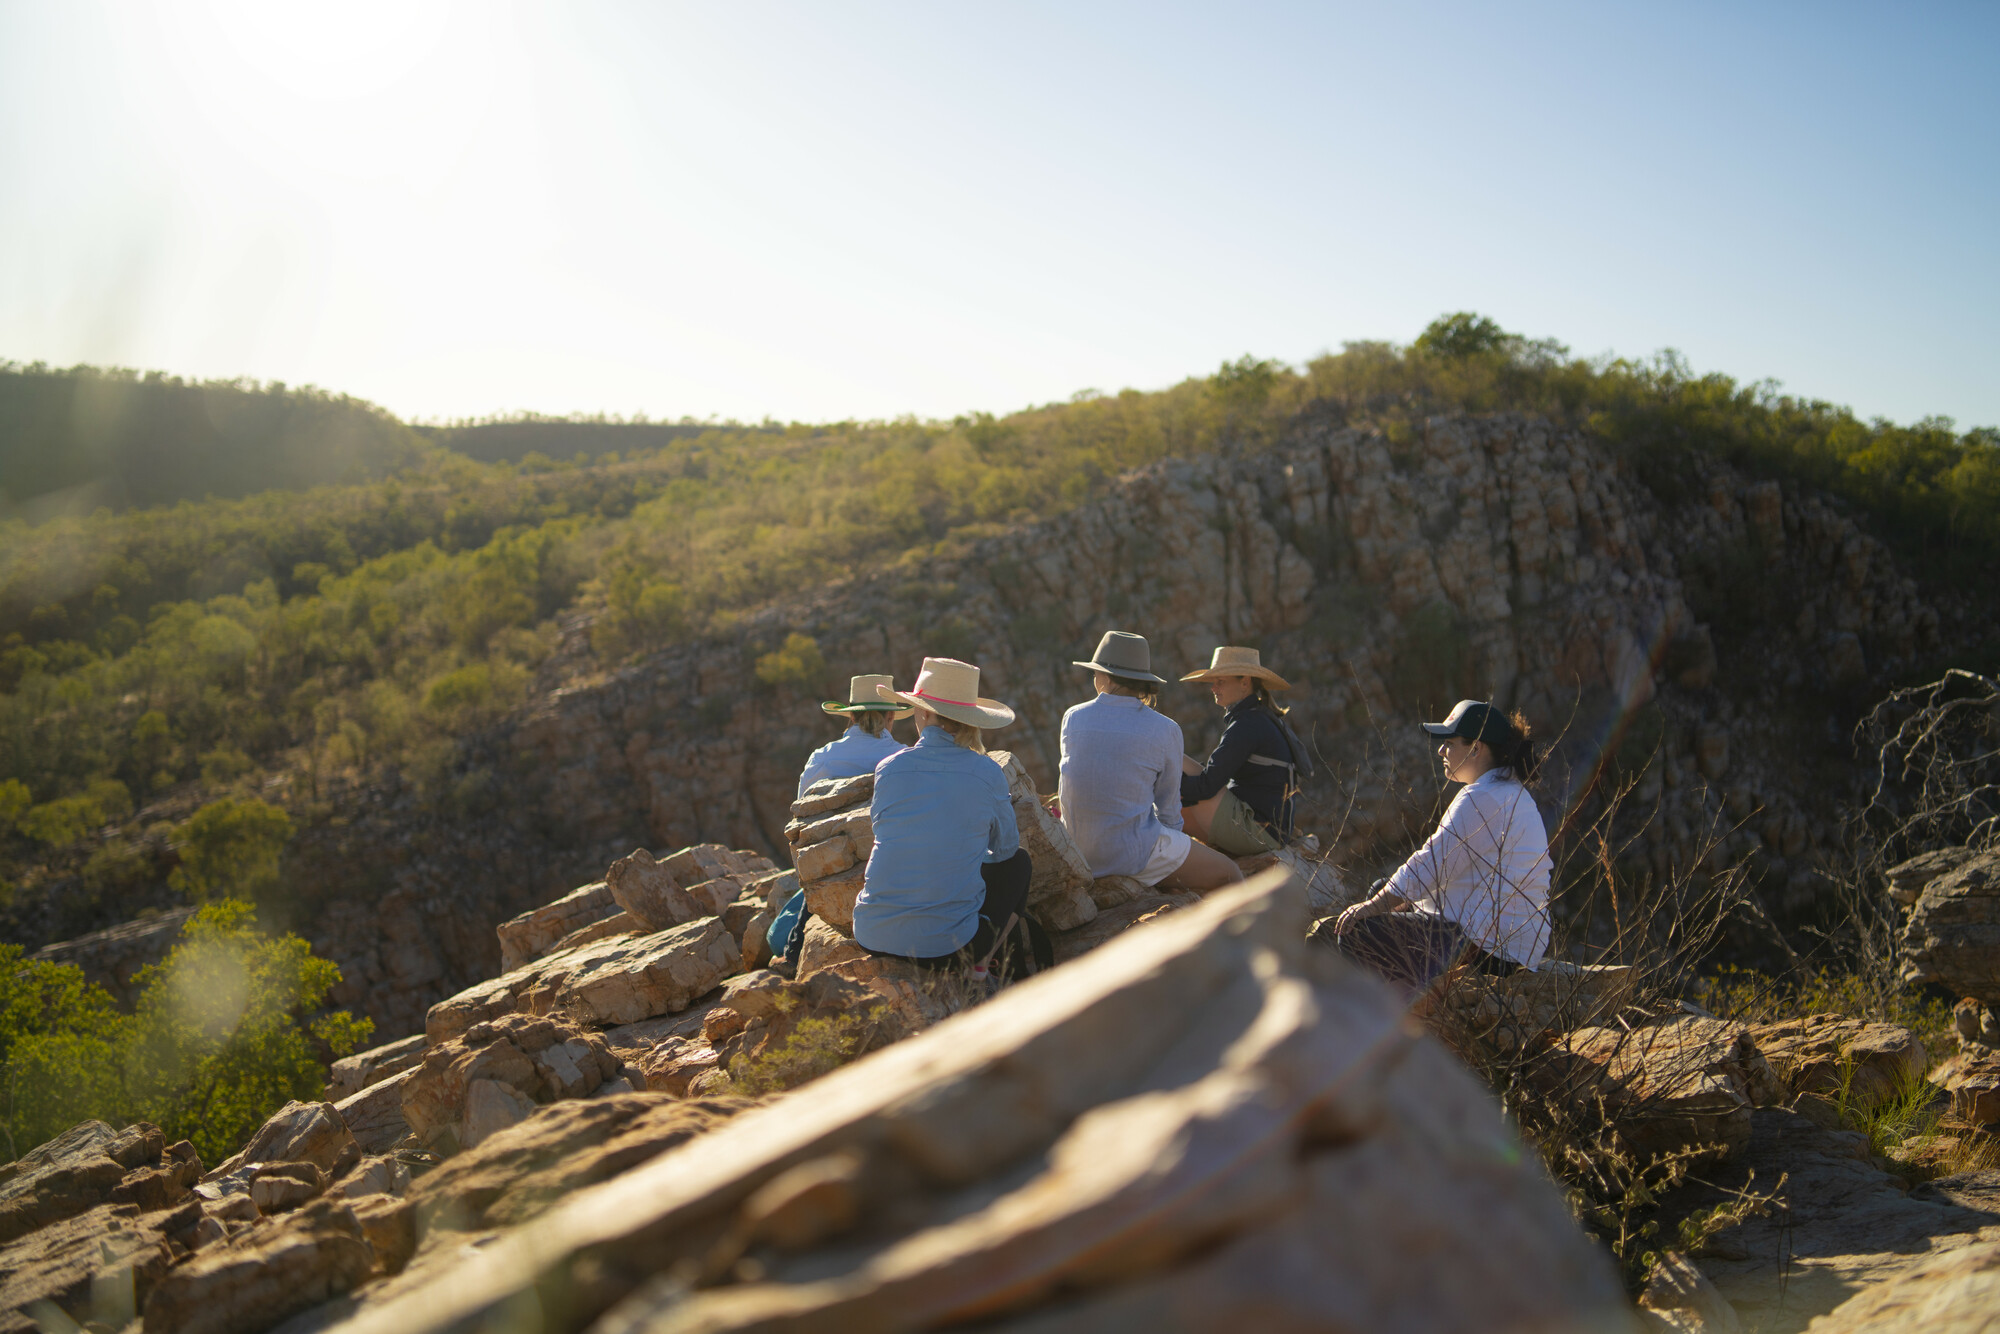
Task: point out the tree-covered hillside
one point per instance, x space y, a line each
173 658
81 438
519 438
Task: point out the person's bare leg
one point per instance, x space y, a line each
1196 819
1205 869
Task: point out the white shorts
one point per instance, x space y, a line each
1170 849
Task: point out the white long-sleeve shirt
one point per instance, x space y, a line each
853 754
1486 868
1120 781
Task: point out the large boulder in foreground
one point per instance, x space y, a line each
1952 936
1199 1127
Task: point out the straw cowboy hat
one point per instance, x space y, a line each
861 698
1123 654
950 689
1239 662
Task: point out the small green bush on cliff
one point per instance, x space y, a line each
214 1046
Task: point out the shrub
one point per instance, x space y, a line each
798 663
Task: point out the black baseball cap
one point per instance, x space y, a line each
1475 721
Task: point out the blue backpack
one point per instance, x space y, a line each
789 916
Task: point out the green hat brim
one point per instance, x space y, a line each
835 707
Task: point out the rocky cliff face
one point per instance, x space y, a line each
1713 636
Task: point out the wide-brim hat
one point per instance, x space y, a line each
1233 661
1473 720
861 697
950 689
1123 654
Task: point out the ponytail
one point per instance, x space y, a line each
1516 751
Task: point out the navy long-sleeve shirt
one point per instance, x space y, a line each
1250 730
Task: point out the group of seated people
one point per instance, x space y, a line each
947 881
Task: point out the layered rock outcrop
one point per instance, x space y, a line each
1504 556
1952 934
1072 1156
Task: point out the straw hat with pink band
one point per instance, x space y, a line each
950 689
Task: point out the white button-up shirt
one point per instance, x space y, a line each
1487 869
1120 781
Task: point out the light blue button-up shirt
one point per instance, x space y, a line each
1121 781
852 754
940 812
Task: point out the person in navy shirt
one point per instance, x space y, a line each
867 741
1240 801
948 878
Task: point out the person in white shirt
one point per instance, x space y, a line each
867 741
1477 891
1120 788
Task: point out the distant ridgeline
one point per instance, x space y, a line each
513 439
74 440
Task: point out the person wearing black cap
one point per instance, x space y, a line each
1120 788
1478 889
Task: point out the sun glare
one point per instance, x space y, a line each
363 90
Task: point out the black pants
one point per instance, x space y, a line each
1006 897
1412 949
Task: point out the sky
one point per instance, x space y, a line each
818 212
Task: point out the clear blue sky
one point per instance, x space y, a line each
866 210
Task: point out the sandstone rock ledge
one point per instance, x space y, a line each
1199 1127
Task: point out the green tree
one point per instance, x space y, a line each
41 1003
215 1045
1463 334
230 848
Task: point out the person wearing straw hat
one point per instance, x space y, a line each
867 741
1477 891
948 878
1119 792
1240 802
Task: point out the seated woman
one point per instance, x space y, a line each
1477 891
1121 776
866 742
1240 802
948 877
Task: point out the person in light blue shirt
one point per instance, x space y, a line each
948 878
867 741
1120 792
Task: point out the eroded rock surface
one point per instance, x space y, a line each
497 1073
1957 1292
1847 1225
1197 1122
1952 936
318 1253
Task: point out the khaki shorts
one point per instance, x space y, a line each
1235 829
